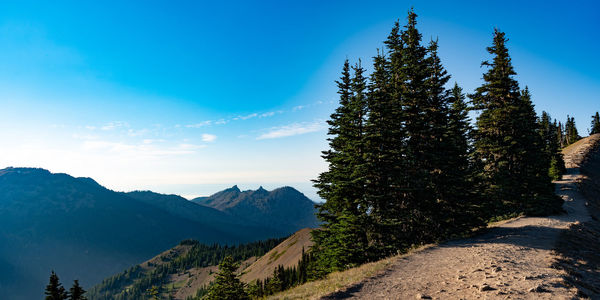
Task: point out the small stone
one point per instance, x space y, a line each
421 296
539 289
460 277
478 270
486 288
497 269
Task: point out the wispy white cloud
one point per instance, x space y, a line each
267 114
201 124
208 137
237 118
114 125
137 132
292 129
246 117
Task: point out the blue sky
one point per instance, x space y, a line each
190 97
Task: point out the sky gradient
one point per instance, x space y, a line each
188 97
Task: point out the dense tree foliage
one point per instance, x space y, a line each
405 165
400 168
343 243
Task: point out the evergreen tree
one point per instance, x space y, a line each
571 134
461 187
420 139
54 289
384 170
227 285
342 242
76 292
560 132
595 127
507 141
538 196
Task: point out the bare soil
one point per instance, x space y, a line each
515 260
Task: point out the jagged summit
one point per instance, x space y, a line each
285 208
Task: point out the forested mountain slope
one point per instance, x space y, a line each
187 269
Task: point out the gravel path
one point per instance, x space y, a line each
511 261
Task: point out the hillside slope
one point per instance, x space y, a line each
189 266
514 259
74 225
284 208
178 272
288 253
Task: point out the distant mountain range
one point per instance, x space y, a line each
84 231
284 208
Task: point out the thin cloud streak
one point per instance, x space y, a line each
250 116
292 130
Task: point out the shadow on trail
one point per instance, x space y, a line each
536 237
578 247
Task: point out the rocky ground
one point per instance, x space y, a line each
519 259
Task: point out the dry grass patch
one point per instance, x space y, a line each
340 280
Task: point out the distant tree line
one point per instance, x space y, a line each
407 168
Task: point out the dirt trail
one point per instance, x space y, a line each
511 261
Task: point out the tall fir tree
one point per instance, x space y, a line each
461 189
343 241
227 285
384 141
76 292
537 195
417 96
595 126
54 289
506 140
